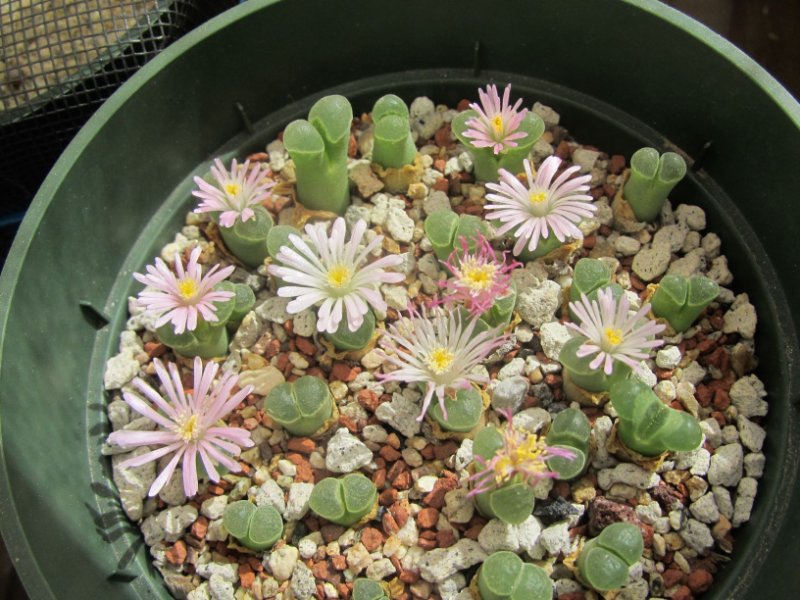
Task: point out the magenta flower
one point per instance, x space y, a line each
496 125
188 423
479 278
523 454
181 296
333 273
438 352
236 191
545 207
612 333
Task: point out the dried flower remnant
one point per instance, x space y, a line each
189 424
334 273
236 191
479 277
545 207
439 352
612 333
497 125
181 296
523 454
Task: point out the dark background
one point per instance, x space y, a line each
761 28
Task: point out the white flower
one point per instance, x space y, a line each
235 192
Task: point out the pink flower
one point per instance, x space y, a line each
496 125
479 278
182 298
612 333
334 273
542 208
438 352
235 192
188 424
523 454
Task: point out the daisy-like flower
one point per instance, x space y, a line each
612 332
497 124
236 191
439 352
188 423
479 277
183 295
522 454
335 274
545 207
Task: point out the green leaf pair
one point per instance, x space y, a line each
393 147
648 426
345 340
652 178
257 527
605 560
301 407
464 411
680 300
247 240
504 576
318 148
589 276
445 229
570 430
368 589
343 501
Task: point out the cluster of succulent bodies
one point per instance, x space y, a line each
337 269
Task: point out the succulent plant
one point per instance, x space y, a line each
302 406
445 229
344 339
464 411
368 589
652 177
680 300
605 560
504 576
580 372
247 240
343 501
318 148
499 315
570 430
589 276
393 146
648 426
257 527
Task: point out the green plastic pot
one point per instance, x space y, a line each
121 189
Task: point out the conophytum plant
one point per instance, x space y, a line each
258 528
318 147
652 178
393 147
301 407
344 501
504 576
464 411
680 300
605 560
368 589
570 430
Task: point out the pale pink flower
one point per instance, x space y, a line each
612 333
181 296
236 191
497 124
479 277
523 454
545 207
334 274
188 423
438 352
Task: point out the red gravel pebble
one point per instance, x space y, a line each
200 527
616 164
177 554
672 577
427 517
445 538
341 371
683 593
246 576
700 580
371 538
302 445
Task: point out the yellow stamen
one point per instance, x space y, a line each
613 336
339 276
232 188
189 430
439 360
187 288
521 453
478 277
537 197
497 123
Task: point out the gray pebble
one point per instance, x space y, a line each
510 393
346 453
692 216
697 536
705 509
401 414
747 396
754 464
553 336
220 589
303 585
751 434
726 465
651 263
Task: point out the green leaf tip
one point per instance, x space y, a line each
301 407
651 179
393 147
680 300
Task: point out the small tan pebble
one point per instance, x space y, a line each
427 517
302 445
371 538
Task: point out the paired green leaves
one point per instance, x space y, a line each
302 406
393 146
584 376
605 560
344 339
648 426
570 430
500 313
257 527
247 240
445 229
651 179
318 148
343 501
368 589
464 411
680 300
505 576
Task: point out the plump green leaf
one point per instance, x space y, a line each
368 589
682 432
359 494
280 405
590 274
279 236
570 428
236 518
390 104
624 540
266 528
463 411
327 500
568 468
440 227
499 574
344 339
332 116
533 584
301 407
583 375
512 503
487 442
602 569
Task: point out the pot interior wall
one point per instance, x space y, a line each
122 189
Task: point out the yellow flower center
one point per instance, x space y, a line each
439 360
339 276
232 188
518 455
497 123
613 336
537 197
187 288
478 277
189 430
